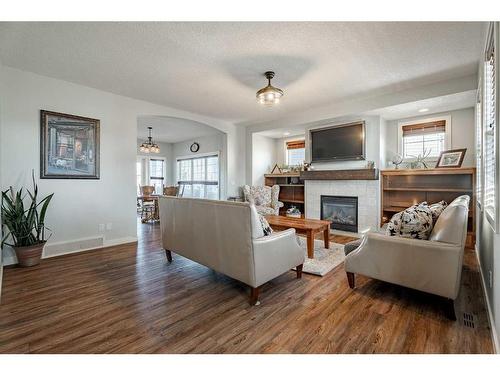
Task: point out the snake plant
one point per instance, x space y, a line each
23 216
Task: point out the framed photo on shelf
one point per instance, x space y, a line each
69 146
451 158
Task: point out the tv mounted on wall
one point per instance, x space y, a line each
340 142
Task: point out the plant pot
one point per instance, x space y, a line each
28 256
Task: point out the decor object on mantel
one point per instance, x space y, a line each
276 169
397 160
420 160
269 95
149 146
25 224
451 158
69 146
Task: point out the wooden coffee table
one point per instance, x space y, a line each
309 227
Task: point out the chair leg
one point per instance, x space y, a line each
351 279
254 296
450 309
299 271
169 255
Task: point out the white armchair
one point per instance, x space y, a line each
433 266
264 198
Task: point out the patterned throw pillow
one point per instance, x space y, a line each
265 226
414 222
437 209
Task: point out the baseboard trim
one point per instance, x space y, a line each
57 249
494 335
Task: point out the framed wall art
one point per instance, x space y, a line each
69 146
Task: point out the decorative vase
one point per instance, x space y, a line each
28 256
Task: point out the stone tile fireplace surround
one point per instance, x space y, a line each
367 191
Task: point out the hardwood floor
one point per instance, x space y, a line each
128 299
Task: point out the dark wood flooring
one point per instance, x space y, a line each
128 299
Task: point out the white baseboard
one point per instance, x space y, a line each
494 335
69 247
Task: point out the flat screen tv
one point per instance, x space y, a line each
341 142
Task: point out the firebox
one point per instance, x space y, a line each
341 211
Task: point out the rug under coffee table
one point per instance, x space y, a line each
308 227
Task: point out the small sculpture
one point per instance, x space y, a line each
397 160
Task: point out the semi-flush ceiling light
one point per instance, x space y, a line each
269 95
149 146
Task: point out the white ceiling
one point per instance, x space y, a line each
214 69
444 103
172 130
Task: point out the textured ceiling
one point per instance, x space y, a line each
214 69
172 130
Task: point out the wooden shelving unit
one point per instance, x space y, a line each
291 190
405 187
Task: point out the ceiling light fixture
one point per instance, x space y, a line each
269 95
423 110
149 146
286 133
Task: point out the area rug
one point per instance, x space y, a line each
324 260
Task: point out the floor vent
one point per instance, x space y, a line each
469 320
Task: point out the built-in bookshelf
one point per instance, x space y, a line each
291 190
404 187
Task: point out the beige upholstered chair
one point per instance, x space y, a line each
265 198
228 238
433 265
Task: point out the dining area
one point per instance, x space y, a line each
147 201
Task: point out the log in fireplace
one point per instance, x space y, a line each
341 211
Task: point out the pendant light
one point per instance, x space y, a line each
149 146
269 95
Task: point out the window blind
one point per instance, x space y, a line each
295 144
490 132
425 128
479 148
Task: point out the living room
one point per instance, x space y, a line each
333 192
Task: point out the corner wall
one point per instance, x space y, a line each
263 157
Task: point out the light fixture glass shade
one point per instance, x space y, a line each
149 146
269 95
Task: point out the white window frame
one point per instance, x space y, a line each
491 215
479 133
447 134
198 156
144 160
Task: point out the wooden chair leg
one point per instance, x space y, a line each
254 296
351 279
299 271
169 255
450 309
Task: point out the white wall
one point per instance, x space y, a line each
1 119
263 158
462 133
79 206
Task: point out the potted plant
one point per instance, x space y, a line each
25 223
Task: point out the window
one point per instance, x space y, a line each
479 148
424 138
139 175
199 177
157 174
490 113
295 152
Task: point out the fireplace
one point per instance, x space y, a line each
341 211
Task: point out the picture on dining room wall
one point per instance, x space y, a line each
69 146
451 158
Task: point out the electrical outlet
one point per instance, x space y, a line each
490 279
101 227
109 226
